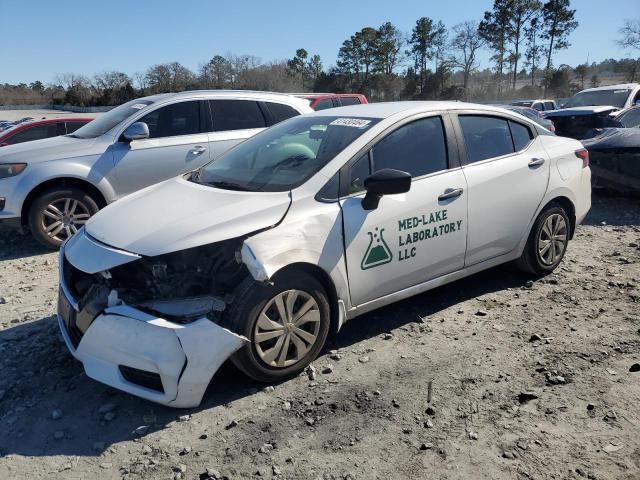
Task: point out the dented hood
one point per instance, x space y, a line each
179 214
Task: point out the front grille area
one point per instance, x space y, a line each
142 378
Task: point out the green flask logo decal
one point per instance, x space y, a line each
378 252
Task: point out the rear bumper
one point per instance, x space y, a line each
584 196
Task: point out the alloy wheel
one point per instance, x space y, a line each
287 328
552 239
63 217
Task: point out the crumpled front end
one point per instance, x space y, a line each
149 325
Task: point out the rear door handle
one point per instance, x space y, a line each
536 162
198 149
450 193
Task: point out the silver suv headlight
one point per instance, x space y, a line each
11 169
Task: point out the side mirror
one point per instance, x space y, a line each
136 131
384 182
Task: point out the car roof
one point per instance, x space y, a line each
326 95
619 86
232 94
388 109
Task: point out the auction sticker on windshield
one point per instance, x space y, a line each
351 122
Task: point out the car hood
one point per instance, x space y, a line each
49 149
178 214
577 111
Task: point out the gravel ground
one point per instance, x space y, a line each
530 378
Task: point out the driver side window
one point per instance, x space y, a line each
173 120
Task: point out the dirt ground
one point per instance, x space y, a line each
529 380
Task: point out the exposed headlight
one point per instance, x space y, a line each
11 169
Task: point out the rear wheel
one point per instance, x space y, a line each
547 241
287 324
57 214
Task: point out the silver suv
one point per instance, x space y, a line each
55 185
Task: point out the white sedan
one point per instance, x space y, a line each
261 254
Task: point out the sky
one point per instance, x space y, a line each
43 38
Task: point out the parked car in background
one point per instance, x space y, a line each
534 115
40 129
54 185
24 119
618 96
322 101
303 227
629 117
539 105
4 124
576 122
615 158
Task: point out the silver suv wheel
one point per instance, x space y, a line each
63 217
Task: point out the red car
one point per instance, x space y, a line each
39 129
322 101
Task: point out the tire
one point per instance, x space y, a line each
537 258
252 300
58 213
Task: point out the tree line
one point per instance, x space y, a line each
429 62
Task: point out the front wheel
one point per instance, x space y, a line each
287 324
57 214
547 241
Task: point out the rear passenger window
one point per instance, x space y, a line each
173 120
324 104
280 112
349 101
37 132
485 137
521 135
236 115
418 148
73 126
548 106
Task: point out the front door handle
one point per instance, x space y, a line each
198 149
450 193
536 162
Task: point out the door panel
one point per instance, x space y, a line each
220 142
409 239
503 196
141 163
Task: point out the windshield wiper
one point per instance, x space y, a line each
229 186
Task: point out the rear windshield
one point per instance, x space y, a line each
107 121
615 98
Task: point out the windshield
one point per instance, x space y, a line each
107 121
284 156
615 98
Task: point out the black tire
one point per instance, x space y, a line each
531 260
39 222
242 315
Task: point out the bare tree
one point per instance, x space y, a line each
630 35
465 44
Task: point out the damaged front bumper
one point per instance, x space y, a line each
142 354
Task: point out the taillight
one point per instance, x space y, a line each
583 153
